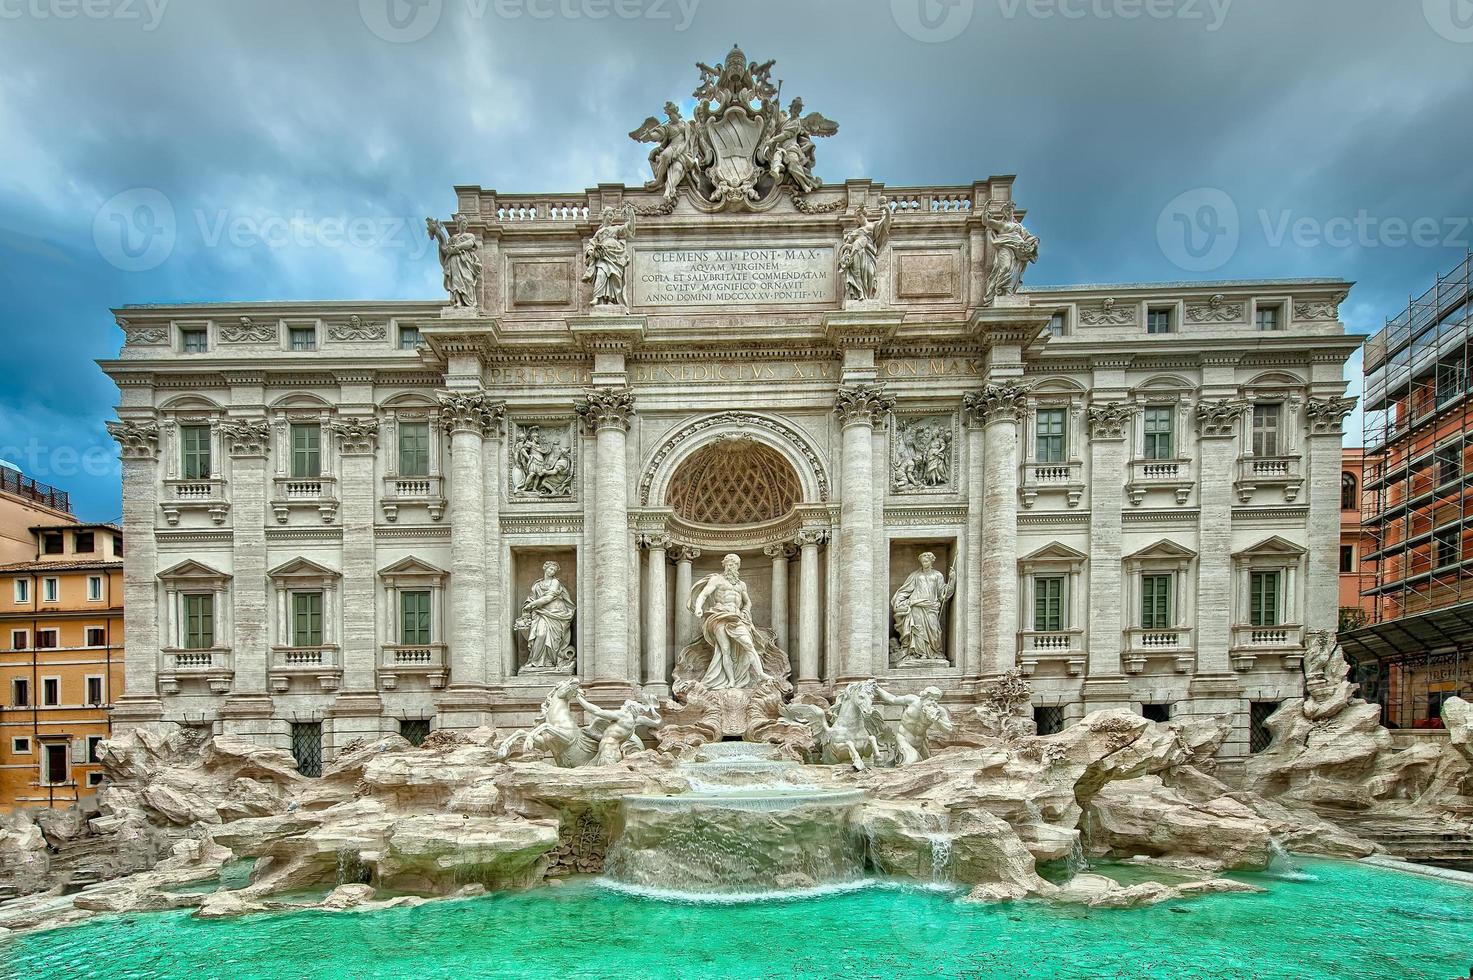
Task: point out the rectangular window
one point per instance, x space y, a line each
306 619
94 692
1159 321
20 639
1159 432
1268 318
1057 325
1048 603
51 543
1259 735
86 542
415 730
48 639
414 618
94 779
1049 434
117 546
194 452
50 692
307 747
20 746
96 636
20 693
94 588
306 450
93 742
1450 380
1266 420
408 338
50 589
414 449
22 590
1049 718
194 341
303 338
1447 547
1156 712
1449 464
1263 599
1347 559
1156 594
199 621
55 763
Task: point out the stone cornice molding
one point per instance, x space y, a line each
1109 420
607 334
246 437
863 404
1327 415
861 330
471 411
1219 419
356 436
606 408
1006 402
137 438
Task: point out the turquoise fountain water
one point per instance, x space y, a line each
1349 921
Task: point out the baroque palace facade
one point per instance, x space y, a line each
353 518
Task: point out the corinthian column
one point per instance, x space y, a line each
860 407
779 553
139 704
656 617
998 408
684 619
1109 422
810 626
468 416
1326 418
607 412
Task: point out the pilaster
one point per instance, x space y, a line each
608 412
247 440
998 408
1109 422
356 709
138 441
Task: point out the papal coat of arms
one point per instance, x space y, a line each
742 147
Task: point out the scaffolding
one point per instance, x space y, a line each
1416 494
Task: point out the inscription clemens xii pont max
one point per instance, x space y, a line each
717 276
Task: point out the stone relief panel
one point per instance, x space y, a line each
542 282
923 453
542 456
930 274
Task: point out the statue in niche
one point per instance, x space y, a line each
919 714
922 454
859 256
541 466
727 626
547 624
1013 248
606 257
918 606
460 258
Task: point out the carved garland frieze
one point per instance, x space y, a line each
1107 314
248 331
787 433
1317 310
1216 311
1327 415
137 439
606 408
1007 402
143 336
863 404
357 329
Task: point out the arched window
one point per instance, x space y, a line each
1349 500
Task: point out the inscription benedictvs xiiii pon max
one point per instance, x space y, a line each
742 147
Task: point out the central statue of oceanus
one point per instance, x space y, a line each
735 645
742 147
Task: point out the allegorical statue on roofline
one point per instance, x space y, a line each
741 147
1013 249
460 259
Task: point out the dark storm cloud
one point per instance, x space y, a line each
299 145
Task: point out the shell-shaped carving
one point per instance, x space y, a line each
732 482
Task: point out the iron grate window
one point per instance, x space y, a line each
1050 718
307 747
1258 734
415 730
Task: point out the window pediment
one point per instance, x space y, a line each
412 570
1055 553
303 568
191 572
1274 547
1163 550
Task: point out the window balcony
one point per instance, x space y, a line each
428 491
1057 646
1144 645
320 663
425 660
214 666
1286 472
319 493
1146 475
1066 479
207 495
1251 642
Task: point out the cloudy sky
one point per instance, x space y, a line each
212 150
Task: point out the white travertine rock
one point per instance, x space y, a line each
1144 816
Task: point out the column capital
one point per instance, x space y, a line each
863 404
656 541
246 437
137 438
357 436
1004 402
1327 415
1218 419
1109 420
812 537
780 549
471 411
606 408
684 553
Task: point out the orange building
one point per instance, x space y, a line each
24 504
61 662
1355 543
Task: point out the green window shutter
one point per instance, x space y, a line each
306 450
1048 604
199 622
306 619
1158 429
414 449
194 451
1156 602
1049 435
414 618
1264 599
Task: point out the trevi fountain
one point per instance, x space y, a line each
850 784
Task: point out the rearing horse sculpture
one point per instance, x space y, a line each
856 731
556 731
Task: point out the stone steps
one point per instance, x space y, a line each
1421 840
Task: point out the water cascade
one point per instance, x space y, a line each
1281 864
751 825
